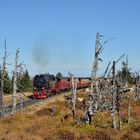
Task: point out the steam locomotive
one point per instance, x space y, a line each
45 85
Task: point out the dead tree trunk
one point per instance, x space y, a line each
138 96
119 110
106 69
120 120
2 82
74 98
114 98
90 107
92 104
95 65
137 91
118 100
74 90
115 64
15 82
129 112
94 79
21 98
126 76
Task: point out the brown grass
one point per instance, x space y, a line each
41 125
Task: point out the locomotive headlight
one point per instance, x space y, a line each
34 87
43 87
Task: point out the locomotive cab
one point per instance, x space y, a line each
43 85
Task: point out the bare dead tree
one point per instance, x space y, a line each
74 95
68 100
90 107
137 87
92 104
74 90
15 82
53 110
115 63
95 64
114 98
129 112
118 100
3 72
21 95
98 50
126 76
120 119
106 69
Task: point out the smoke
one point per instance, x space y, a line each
41 54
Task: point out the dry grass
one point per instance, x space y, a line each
8 98
43 126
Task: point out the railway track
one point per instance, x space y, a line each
20 106
29 102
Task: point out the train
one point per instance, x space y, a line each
45 85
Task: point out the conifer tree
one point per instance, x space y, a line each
25 82
7 84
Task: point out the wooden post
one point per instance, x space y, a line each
15 82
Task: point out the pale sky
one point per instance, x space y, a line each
59 35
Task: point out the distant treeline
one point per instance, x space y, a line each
24 82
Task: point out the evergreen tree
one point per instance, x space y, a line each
24 81
7 84
59 75
125 74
